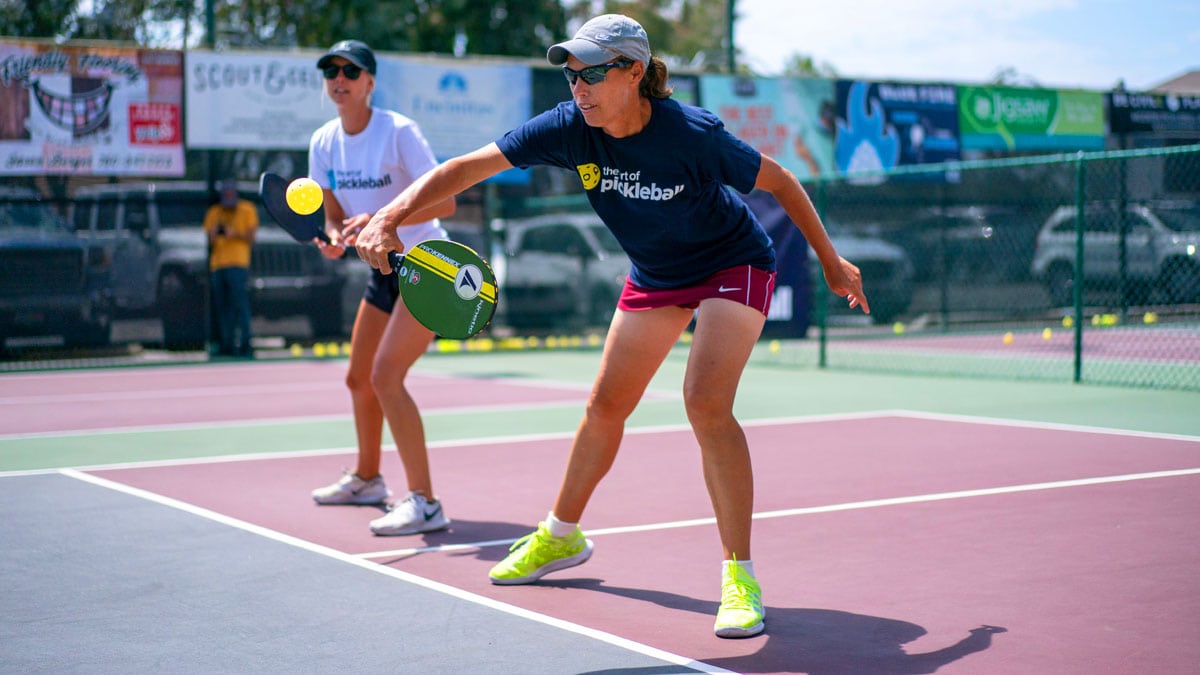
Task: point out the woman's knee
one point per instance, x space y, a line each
385 377
615 409
705 407
358 380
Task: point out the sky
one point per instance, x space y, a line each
1084 44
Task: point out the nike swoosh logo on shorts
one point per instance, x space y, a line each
727 290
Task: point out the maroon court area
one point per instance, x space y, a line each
134 397
1087 578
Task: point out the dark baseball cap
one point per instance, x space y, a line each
353 51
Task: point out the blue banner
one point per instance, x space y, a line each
884 125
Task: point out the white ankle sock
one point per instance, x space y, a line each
557 527
746 565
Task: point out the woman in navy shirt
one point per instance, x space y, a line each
659 174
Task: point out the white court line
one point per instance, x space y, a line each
363 560
651 395
829 508
452 443
601 636
665 428
220 391
275 421
224 390
1051 426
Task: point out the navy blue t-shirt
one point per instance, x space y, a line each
664 192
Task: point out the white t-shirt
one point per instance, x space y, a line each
368 169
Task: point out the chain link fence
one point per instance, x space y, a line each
1069 268
1073 268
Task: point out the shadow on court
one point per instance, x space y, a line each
815 641
460 532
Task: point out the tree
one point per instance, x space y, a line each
35 18
1011 77
692 33
500 27
803 65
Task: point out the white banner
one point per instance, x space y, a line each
254 101
460 106
90 110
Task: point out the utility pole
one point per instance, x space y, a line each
210 24
729 38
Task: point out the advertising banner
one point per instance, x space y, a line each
788 119
460 106
1010 118
1129 113
254 100
884 125
90 110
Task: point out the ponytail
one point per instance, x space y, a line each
654 82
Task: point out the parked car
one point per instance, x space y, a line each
559 269
886 269
968 243
469 234
52 284
153 235
1161 241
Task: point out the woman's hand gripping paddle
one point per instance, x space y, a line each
446 286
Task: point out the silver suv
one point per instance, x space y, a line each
152 234
1161 251
562 269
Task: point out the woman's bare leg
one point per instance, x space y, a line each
404 341
369 325
636 345
724 337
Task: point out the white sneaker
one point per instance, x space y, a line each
413 515
353 490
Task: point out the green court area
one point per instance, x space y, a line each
772 387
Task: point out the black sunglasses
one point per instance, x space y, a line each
594 74
350 70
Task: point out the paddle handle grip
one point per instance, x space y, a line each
395 260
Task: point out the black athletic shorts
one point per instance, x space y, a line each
382 290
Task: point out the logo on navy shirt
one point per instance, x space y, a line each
628 184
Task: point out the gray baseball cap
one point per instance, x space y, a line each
354 51
602 39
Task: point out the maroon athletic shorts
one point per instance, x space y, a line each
748 285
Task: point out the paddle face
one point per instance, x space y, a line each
273 190
448 288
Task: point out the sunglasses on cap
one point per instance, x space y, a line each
350 70
594 74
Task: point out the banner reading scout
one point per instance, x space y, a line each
1009 118
460 106
883 125
254 101
93 110
789 119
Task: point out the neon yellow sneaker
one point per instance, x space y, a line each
538 553
741 613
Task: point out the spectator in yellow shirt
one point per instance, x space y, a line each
231 225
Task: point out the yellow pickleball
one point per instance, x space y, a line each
304 196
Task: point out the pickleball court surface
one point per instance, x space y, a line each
886 541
